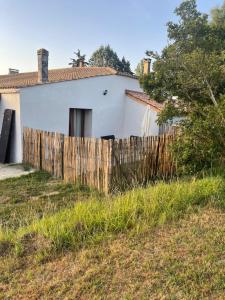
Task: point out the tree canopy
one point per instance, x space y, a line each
189 74
105 56
218 16
79 61
191 67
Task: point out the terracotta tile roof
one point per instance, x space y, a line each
56 75
144 98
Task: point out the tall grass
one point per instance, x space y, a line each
95 219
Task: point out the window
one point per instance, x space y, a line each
80 122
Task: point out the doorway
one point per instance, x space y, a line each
80 122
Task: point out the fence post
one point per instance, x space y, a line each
62 157
110 163
40 151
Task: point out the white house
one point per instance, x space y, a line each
83 101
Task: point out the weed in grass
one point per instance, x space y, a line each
27 167
5 247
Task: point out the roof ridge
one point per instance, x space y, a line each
56 75
59 69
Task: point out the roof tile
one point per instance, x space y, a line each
143 97
56 75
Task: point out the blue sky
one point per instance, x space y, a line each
63 26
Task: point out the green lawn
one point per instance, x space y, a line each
24 199
60 241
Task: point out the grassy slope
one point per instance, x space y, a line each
178 260
24 199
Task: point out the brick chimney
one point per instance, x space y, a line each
42 65
147 66
81 64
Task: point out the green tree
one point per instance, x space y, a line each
125 66
105 56
79 61
139 71
191 69
218 16
201 142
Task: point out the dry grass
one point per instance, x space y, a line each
162 242
184 260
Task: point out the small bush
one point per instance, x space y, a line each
201 142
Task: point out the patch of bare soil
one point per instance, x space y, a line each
11 171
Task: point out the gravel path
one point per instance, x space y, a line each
10 171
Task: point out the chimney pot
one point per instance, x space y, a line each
13 71
42 65
81 63
147 66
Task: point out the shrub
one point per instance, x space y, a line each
201 141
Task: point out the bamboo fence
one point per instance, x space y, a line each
107 165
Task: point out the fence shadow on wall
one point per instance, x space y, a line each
108 165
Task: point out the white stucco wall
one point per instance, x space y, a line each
12 101
47 106
139 119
